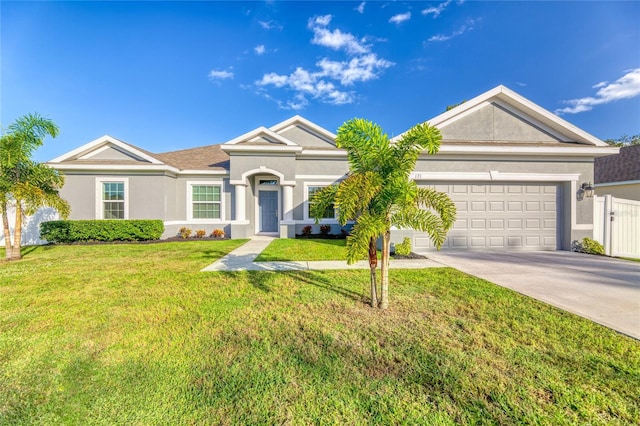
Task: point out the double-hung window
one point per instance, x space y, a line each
112 199
206 201
329 211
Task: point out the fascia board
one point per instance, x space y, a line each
323 153
529 150
622 182
122 167
86 148
496 176
260 148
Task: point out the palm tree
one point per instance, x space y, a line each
25 184
379 194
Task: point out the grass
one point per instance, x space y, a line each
291 249
134 334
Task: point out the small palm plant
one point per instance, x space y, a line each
378 193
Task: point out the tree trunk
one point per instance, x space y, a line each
386 251
17 233
373 264
7 233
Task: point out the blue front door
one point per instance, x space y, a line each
268 211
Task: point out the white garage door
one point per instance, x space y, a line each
500 216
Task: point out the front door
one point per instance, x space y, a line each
268 211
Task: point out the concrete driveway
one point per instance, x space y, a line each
602 289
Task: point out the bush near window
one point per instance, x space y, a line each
71 231
185 232
325 229
217 233
200 233
307 230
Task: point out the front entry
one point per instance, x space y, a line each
268 211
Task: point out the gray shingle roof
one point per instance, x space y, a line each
618 168
209 157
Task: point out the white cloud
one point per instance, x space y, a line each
331 81
400 18
444 37
362 68
220 75
436 10
270 25
307 84
321 21
360 7
336 39
259 49
627 86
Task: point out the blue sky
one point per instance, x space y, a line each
167 76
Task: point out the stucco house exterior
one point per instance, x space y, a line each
619 175
513 169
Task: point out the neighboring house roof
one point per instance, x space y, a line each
618 168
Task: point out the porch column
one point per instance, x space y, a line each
287 202
240 201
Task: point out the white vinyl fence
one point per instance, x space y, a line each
30 225
617 225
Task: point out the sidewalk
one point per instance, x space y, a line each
243 259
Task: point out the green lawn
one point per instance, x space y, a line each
134 334
289 249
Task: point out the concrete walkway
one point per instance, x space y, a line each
242 259
602 289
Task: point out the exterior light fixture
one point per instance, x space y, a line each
588 189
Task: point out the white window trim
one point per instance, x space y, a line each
190 185
306 202
100 201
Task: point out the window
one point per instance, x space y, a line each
329 212
268 181
206 202
112 198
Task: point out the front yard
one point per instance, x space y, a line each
134 334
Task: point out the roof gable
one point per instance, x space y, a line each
305 133
106 149
513 109
495 122
260 136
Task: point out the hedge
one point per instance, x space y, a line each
70 231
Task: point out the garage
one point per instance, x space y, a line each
509 215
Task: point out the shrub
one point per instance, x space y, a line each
184 232
325 229
70 231
307 230
404 248
217 233
591 246
200 233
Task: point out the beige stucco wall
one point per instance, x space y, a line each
625 191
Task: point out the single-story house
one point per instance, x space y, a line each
619 175
514 170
